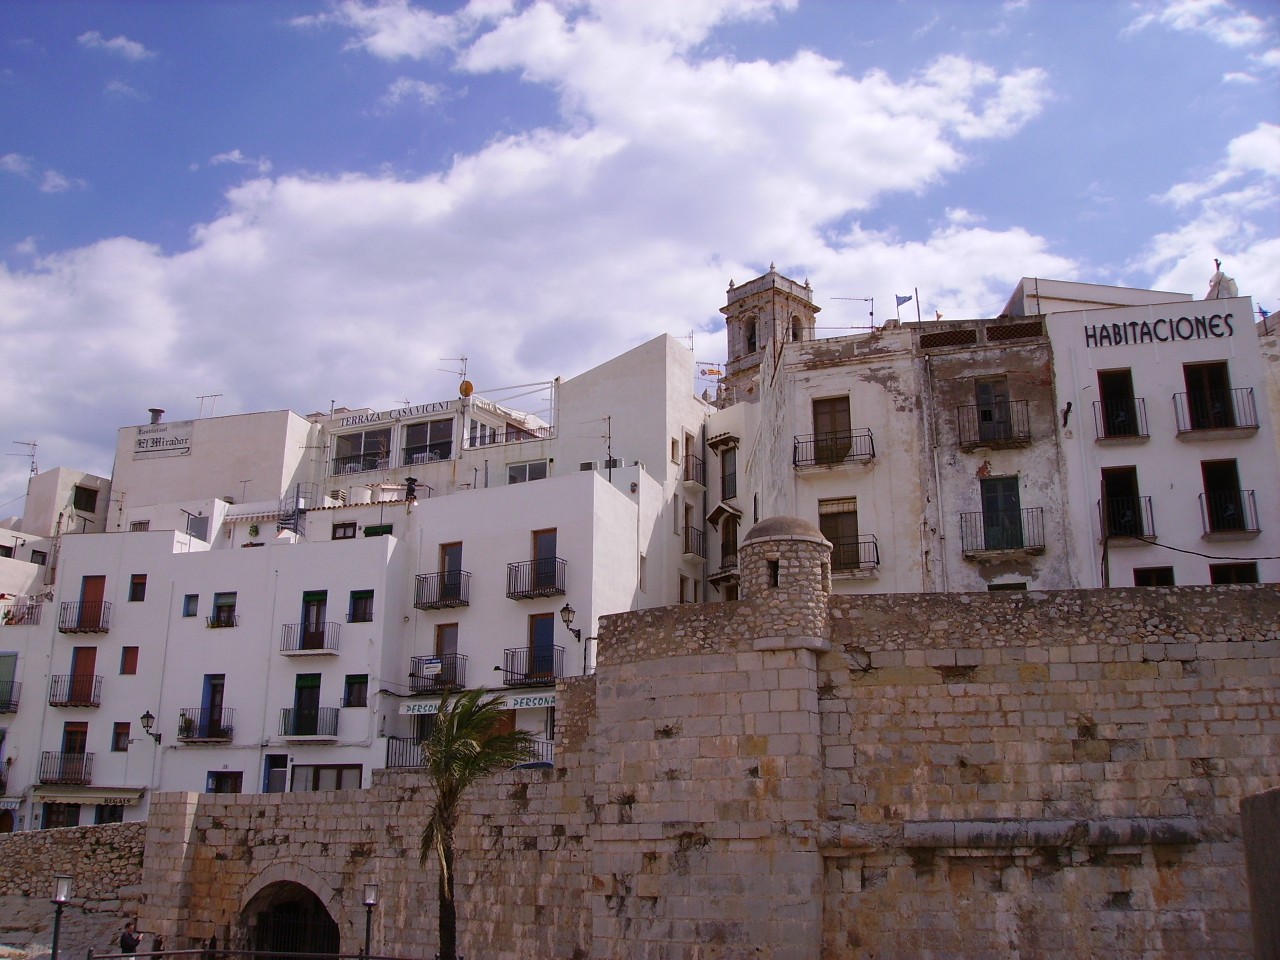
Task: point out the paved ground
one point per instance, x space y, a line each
26 930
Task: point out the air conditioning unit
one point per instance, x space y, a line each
614 464
588 465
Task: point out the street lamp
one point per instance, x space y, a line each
370 901
567 614
61 895
148 721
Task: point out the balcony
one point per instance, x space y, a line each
360 463
536 578
404 752
522 667
75 690
855 556
441 591
832 449
1120 421
695 472
222 617
10 694
1002 532
84 616
1006 424
1229 515
312 722
66 767
309 639
20 614
427 453
695 543
427 674
1215 414
544 751
201 725
1126 518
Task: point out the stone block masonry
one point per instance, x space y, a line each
796 775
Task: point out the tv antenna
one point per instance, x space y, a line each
213 403
870 300
30 454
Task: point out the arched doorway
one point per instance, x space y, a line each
286 917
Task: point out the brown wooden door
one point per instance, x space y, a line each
93 590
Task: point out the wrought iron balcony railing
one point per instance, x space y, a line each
522 667
66 767
439 591
1230 513
201 723
544 751
427 453
223 617
695 471
695 542
302 638
10 694
314 722
828 449
404 752
84 616
1216 410
20 614
997 424
438 673
983 531
855 553
360 463
75 690
536 578
1120 419
1126 517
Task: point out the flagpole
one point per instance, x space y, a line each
917 292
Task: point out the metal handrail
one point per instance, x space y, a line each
1002 530
1120 419
201 723
813 449
302 637
317 722
1216 410
437 673
521 667
438 591
75 690
84 616
536 578
1008 421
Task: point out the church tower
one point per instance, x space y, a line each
766 312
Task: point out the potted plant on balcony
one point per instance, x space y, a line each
186 727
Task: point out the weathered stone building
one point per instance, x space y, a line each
797 775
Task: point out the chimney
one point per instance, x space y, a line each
156 414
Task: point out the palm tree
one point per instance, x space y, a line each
465 744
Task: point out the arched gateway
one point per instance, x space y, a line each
286 917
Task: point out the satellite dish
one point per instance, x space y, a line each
465 388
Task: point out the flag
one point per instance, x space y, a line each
937 314
901 300
1264 313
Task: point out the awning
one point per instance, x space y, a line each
722 440
107 796
721 511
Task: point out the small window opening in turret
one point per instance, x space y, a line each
774 572
751 336
797 331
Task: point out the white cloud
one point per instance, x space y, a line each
118 88
54 182
51 181
419 91
261 164
1219 20
391 29
15 163
119 46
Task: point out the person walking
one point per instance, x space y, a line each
129 939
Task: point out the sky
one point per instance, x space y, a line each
297 203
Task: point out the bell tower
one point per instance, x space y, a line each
766 312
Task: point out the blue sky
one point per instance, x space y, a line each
293 203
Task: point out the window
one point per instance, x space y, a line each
139 526
797 330
359 452
61 815
838 522
1119 411
729 473
211 725
84 499
542 646
330 776
40 557
1233 573
120 737
451 571
1153 576
314 619
544 559
198 527
224 610
128 661
1208 395
108 813
832 437
190 604
223 781
6 550
361 608
524 472
1001 514
685 594
482 434
1223 498
344 531
378 530
729 542
991 396
275 768
642 573
137 587
355 692
428 442
675 450
306 704
1002 587
752 335
1121 505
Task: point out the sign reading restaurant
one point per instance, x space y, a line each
172 439
401 413
1163 330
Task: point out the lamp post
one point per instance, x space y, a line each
148 721
370 901
61 895
567 614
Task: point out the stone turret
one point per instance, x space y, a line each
785 564
771 309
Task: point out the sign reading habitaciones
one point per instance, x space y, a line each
1163 330
403 413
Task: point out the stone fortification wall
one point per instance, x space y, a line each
101 861
1068 786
